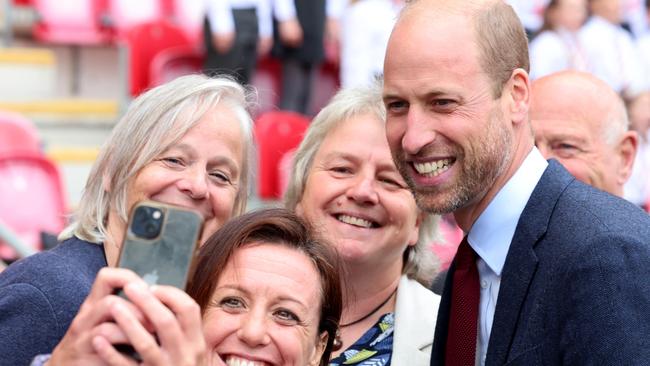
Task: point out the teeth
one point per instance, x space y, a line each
356 221
236 361
432 168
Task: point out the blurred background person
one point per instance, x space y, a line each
580 121
609 48
300 35
530 14
365 29
345 183
637 188
268 290
556 47
236 33
643 47
184 143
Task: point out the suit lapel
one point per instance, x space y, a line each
521 261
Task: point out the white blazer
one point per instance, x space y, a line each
416 311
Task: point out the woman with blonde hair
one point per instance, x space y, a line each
184 143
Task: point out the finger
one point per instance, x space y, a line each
186 310
109 354
111 332
110 279
143 341
92 314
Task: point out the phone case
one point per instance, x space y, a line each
166 258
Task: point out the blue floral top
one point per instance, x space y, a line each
374 348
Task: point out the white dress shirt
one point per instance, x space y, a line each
491 235
219 13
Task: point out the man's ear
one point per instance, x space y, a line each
518 91
626 150
321 344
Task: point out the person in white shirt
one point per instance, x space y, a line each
365 28
609 48
530 13
235 33
556 47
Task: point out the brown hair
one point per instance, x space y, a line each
502 43
276 226
500 36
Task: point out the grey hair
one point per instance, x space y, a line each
419 262
153 122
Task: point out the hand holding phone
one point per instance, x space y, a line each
159 245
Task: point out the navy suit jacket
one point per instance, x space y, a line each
575 287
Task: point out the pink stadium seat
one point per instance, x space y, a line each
123 15
70 22
276 133
17 135
189 14
31 199
146 41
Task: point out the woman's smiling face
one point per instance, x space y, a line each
265 309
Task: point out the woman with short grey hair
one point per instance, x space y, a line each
344 182
185 143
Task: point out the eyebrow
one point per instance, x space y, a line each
215 160
248 293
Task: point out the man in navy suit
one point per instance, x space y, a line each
564 268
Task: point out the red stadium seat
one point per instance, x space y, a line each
173 62
31 199
17 135
146 41
76 22
276 133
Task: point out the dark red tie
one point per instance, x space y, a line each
465 295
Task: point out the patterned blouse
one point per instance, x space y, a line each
374 348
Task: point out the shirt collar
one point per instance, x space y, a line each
491 234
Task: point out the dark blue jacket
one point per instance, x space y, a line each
575 288
41 294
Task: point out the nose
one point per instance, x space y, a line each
194 183
363 189
418 132
253 330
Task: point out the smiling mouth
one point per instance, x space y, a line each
237 361
357 221
433 168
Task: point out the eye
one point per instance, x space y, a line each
565 150
340 170
392 182
443 104
286 316
396 106
232 303
173 161
221 177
